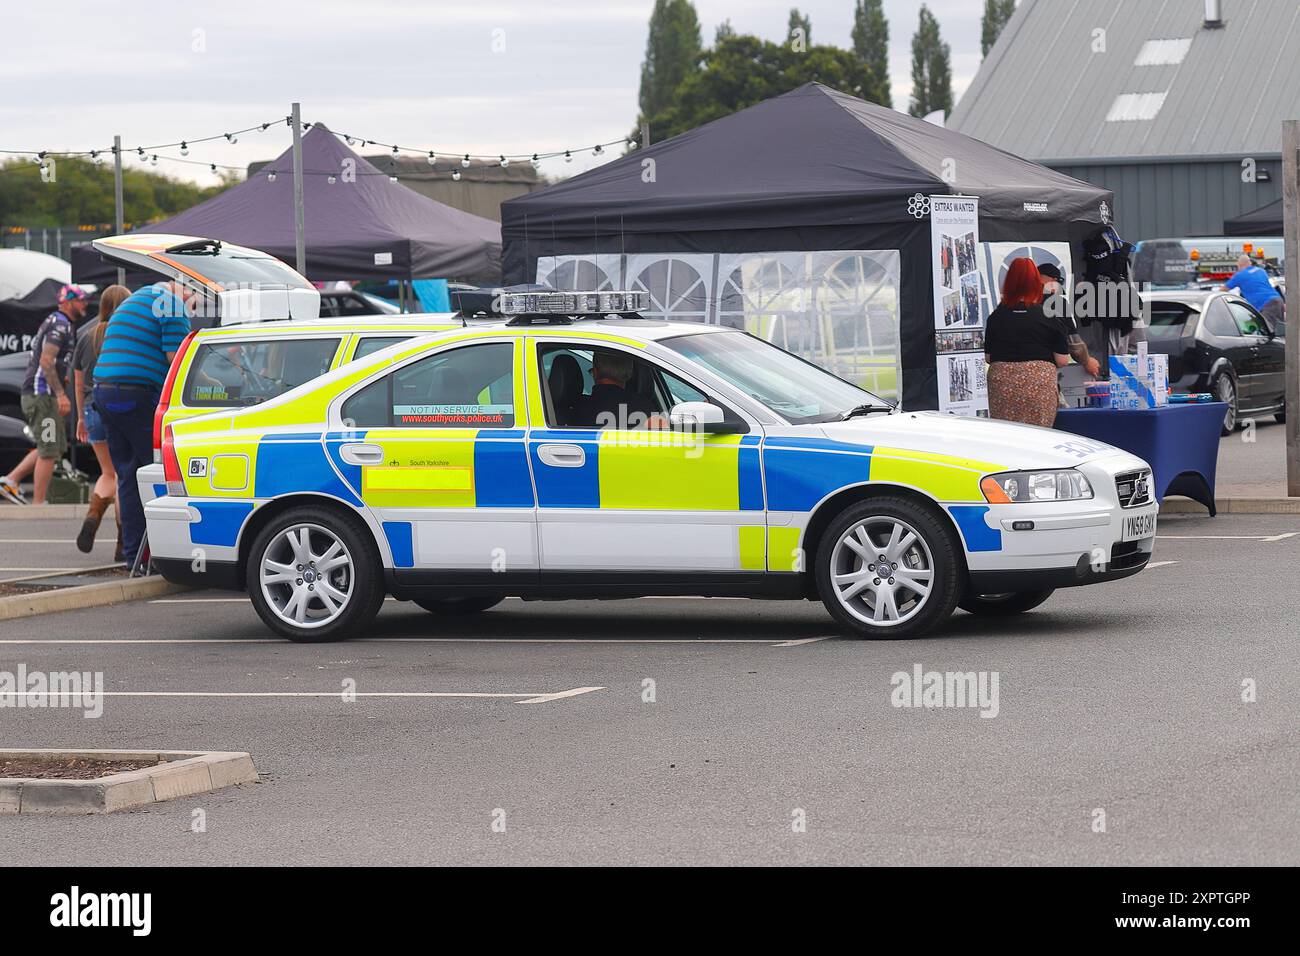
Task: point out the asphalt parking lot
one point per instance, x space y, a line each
1124 698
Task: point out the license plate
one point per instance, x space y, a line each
1138 526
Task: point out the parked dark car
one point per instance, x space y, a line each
15 442
1217 342
347 302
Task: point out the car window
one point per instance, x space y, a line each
1218 320
227 373
650 390
374 343
468 387
1247 319
1167 321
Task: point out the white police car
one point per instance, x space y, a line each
486 461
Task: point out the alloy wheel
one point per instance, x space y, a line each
307 575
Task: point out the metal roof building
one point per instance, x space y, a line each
1175 105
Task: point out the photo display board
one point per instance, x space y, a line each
958 312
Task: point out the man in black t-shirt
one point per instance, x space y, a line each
1056 306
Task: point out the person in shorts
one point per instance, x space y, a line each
90 424
45 400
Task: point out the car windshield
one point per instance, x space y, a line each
797 390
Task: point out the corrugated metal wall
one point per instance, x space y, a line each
1159 200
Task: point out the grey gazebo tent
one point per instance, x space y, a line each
359 226
814 171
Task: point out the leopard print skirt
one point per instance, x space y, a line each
1023 392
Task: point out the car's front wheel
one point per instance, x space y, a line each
887 567
315 576
1000 605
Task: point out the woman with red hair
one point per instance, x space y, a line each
1024 349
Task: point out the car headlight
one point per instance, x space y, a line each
1015 487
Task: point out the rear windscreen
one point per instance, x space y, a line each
233 373
1166 321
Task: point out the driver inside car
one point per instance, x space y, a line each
611 403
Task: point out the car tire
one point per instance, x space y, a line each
1225 390
908 535
1003 605
1280 417
459 606
12 411
306 607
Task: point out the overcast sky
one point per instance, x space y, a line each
416 73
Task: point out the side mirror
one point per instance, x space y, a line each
703 417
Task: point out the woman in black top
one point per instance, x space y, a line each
1024 348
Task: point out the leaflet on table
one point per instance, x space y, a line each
958 316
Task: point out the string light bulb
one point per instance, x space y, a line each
394 152
598 150
465 162
455 175
537 163
185 149
568 157
233 139
433 160
331 179
270 177
504 162
213 167
349 140
153 160
393 178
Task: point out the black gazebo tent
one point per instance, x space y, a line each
359 226
813 169
1264 221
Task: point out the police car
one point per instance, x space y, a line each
466 466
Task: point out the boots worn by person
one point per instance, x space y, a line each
89 527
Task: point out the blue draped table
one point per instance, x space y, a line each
1179 442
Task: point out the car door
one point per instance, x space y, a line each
621 500
435 450
1263 364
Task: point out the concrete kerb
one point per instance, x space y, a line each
84 596
183 773
67 512
1236 505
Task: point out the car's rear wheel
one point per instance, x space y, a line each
886 568
1225 390
315 576
1000 605
457 606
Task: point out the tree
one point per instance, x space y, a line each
799 29
996 15
871 46
672 52
931 68
82 194
724 30
742 70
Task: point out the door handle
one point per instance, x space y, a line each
362 454
562 456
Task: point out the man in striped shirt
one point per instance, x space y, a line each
147 329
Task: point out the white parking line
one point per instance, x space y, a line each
530 698
1227 537
801 641
1159 564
